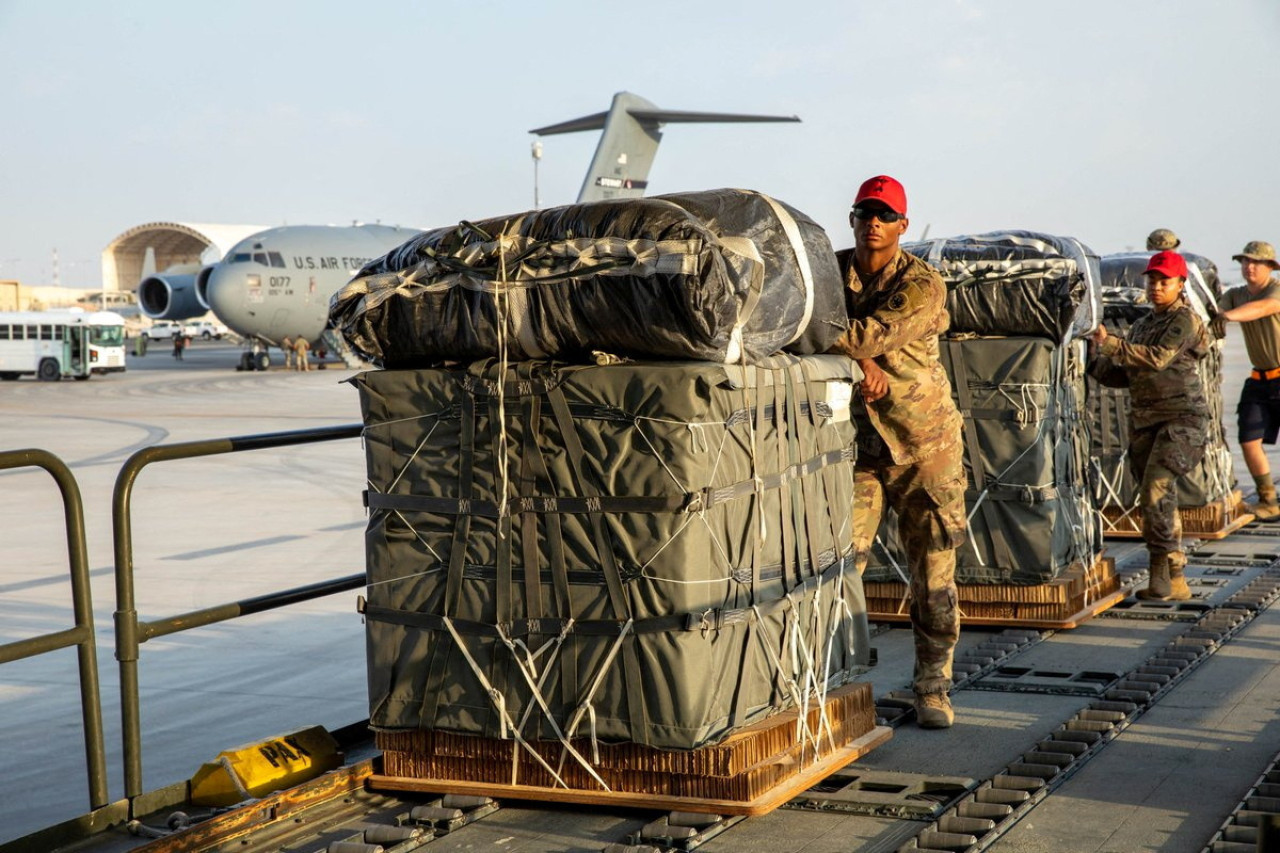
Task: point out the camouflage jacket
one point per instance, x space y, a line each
895 317
1157 360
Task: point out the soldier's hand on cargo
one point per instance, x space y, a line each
1218 325
1099 334
875 385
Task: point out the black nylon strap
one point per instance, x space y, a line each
529 521
708 621
692 502
1002 553
1015 494
462 527
604 546
786 531
523 504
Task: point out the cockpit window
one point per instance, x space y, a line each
240 258
277 260
260 258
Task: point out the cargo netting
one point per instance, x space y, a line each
655 553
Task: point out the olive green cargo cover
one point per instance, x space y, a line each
1026 456
673 559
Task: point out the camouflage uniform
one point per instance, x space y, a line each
909 448
1168 414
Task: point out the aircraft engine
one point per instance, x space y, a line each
202 285
169 296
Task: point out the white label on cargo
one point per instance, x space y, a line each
839 398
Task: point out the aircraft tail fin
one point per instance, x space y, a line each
632 132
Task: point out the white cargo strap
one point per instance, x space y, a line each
555 644
413 456
500 704
586 708
812 688
935 252
794 237
1206 305
745 248
534 689
798 695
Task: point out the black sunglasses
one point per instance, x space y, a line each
888 217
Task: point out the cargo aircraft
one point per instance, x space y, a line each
277 282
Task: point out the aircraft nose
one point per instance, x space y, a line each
229 294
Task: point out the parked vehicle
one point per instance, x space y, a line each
54 344
161 329
208 330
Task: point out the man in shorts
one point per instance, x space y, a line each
1255 305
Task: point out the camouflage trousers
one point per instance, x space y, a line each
1159 455
928 497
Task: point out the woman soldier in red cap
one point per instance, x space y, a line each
1168 415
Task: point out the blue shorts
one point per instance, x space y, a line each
1258 415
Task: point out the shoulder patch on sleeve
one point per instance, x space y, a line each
898 301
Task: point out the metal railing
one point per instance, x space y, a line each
131 632
81 635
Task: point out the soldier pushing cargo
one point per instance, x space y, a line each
1255 305
1168 414
909 446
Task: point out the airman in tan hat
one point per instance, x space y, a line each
1255 305
1162 240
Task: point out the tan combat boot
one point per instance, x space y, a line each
933 711
1267 508
1158 588
1178 589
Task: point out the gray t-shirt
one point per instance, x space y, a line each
1261 336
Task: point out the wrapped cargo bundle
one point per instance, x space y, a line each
1211 484
672 561
1017 283
723 275
1026 459
1021 396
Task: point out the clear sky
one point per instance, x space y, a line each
1101 120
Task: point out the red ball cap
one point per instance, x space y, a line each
885 190
1168 264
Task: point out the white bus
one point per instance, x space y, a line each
54 344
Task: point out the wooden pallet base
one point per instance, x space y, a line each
1065 602
1217 520
762 804
1222 533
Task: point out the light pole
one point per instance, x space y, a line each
536 150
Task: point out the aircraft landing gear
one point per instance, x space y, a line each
254 359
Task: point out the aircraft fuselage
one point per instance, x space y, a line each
277 282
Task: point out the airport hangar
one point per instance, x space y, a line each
156 247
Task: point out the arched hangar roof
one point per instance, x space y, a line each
170 243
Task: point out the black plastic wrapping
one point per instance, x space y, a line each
1123 285
722 275
1017 283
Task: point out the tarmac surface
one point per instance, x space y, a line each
224 528
206 531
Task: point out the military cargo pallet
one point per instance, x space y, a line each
1217 520
1073 597
797 782
751 772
